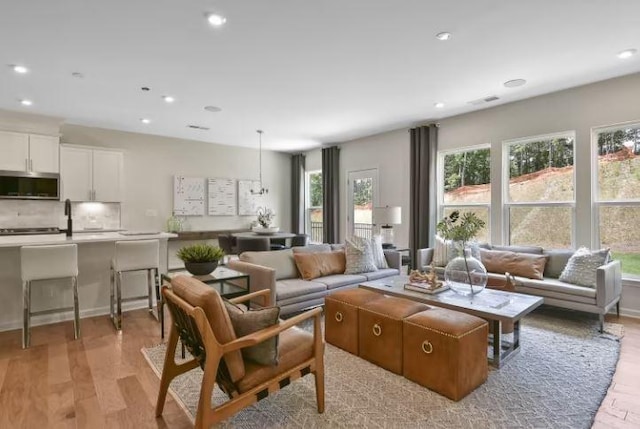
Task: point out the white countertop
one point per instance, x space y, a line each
79 238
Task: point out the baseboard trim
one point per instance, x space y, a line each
47 319
629 312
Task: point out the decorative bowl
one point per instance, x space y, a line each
265 231
201 268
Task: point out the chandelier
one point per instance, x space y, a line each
262 189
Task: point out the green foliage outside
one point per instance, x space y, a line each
467 168
315 189
200 253
362 192
630 262
530 157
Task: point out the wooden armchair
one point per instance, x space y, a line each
200 320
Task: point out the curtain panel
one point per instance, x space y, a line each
297 194
330 194
422 212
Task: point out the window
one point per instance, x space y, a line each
465 184
314 205
617 193
539 195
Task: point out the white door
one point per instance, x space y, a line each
107 175
362 197
76 173
14 148
44 153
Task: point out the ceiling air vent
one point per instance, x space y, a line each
484 100
198 127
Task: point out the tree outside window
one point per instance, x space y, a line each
314 206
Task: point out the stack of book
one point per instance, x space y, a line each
425 287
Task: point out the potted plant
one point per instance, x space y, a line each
464 274
200 259
265 219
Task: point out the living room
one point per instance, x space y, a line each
137 79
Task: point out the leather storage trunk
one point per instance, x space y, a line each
446 351
341 317
380 330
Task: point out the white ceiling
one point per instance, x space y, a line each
307 72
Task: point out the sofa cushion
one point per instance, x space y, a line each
319 264
337 246
339 280
556 285
359 256
290 288
380 274
279 260
519 264
246 322
558 259
519 249
582 266
301 299
312 248
562 298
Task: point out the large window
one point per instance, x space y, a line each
617 193
465 184
539 197
314 205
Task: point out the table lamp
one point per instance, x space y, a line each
386 217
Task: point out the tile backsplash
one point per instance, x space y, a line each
31 214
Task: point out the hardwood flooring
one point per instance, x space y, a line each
103 381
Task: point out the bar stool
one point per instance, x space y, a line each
48 263
130 256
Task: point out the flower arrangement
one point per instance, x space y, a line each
265 216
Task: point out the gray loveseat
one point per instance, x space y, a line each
277 271
599 300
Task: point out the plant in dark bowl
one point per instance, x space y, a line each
200 259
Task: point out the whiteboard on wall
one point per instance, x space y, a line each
248 203
188 196
222 197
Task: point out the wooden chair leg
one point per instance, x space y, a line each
319 357
205 416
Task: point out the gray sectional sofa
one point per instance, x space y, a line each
599 300
277 271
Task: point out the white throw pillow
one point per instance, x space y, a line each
443 252
582 266
359 256
378 252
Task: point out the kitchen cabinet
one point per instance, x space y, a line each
29 152
90 174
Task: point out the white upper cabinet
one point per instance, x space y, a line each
29 152
91 174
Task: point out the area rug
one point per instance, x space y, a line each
558 380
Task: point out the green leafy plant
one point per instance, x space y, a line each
200 253
458 228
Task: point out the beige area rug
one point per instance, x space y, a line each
557 381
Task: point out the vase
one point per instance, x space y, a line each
465 274
201 268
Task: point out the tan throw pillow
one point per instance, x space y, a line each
246 322
519 264
314 265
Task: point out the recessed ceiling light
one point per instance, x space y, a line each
168 99
212 109
216 20
627 53
26 102
145 121
445 35
20 69
438 105
514 83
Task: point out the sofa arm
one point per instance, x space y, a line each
425 257
259 277
608 284
394 258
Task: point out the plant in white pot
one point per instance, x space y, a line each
200 259
464 274
265 219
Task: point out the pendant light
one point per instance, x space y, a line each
262 189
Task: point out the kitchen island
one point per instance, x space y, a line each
95 251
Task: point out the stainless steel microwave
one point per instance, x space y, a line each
22 185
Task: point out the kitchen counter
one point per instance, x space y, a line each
77 238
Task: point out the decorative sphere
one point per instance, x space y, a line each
466 277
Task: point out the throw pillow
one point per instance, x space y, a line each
246 322
519 264
359 256
378 252
582 267
443 252
314 265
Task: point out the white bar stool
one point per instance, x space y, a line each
48 263
130 256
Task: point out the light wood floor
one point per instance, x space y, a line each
103 381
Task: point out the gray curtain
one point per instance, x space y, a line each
330 194
422 216
297 194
